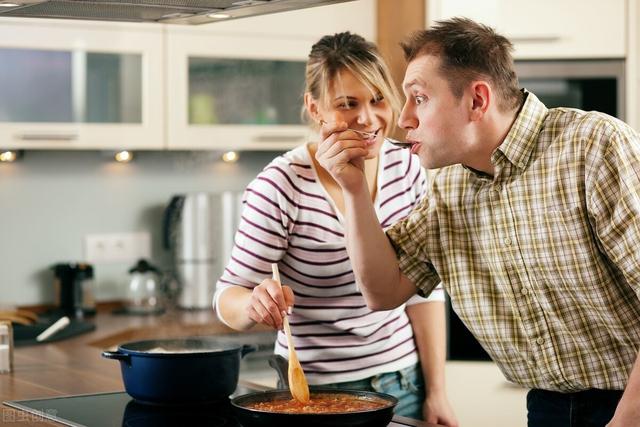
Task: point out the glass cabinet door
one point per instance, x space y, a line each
228 92
80 85
50 86
245 91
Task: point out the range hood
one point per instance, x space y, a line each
164 11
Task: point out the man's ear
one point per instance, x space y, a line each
311 105
481 98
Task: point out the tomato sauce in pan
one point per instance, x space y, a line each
321 403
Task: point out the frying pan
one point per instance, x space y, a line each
260 418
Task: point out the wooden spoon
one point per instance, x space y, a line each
297 381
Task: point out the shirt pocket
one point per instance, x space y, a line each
565 247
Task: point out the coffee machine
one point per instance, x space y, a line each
198 230
74 289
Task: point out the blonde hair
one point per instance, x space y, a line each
346 51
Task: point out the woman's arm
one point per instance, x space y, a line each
230 307
429 329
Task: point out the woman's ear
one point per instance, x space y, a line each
311 105
481 98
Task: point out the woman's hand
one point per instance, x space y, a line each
342 153
269 303
437 409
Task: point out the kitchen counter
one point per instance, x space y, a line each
75 366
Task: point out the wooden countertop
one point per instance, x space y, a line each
75 366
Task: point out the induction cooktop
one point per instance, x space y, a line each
118 409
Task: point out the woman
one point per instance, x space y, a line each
293 216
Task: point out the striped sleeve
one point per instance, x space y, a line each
263 233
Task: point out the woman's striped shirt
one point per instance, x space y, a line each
289 218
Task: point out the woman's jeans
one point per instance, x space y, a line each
589 408
407 385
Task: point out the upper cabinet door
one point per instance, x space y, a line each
239 85
89 85
310 24
546 29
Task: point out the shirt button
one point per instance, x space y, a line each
524 290
507 241
540 341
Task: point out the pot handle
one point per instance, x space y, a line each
123 357
281 366
246 349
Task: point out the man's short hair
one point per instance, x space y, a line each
469 51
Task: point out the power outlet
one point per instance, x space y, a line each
117 247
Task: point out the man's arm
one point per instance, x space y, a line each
373 259
613 186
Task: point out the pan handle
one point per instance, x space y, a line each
123 357
281 366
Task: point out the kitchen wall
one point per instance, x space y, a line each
51 199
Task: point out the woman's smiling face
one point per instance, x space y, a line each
352 102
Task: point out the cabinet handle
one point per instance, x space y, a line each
535 39
279 138
47 136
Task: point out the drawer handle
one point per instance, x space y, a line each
279 138
47 136
535 39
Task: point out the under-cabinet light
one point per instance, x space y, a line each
8 156
123 156
230 157
219 16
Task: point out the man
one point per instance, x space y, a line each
532 224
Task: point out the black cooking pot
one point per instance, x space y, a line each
179 371
248 417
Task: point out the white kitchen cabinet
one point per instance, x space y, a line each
80 85
104 85
633 65
358 16
230 93
238 85
547 29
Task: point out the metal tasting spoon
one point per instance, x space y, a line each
395 142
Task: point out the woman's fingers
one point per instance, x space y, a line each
259 315
264 310
328 129
268 304
288 296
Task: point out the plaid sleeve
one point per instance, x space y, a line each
613 185
437 295
406 237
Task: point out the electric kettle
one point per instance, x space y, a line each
199 230
144 294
